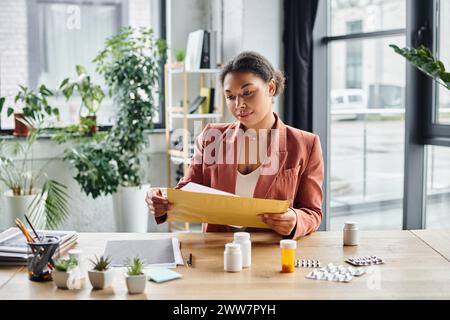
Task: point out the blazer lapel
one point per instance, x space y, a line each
275 160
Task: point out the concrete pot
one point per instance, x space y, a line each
66 280
101 279
130 210
136 284
17 206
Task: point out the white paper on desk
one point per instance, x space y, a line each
154 252
195 187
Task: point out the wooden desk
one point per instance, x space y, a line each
439 240
413 270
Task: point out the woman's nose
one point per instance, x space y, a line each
240 102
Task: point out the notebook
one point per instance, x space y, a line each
162 275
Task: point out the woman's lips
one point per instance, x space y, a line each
244 114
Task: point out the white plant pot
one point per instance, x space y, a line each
101 279
136 284
65 280
130 210
18 206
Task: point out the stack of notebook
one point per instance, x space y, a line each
14 250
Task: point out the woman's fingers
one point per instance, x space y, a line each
157 202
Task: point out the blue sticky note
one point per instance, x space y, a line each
162 274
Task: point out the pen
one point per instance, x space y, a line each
32 228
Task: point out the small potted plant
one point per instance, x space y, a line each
64 271
101 276
91 97
135 277
35 108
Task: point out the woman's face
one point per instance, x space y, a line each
248 97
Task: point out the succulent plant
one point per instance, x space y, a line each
66 265
135 267
101 263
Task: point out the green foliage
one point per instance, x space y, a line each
92 95
130 65
66 265
180 54
35 106
21 179
56 208
101 263
423 59
135 267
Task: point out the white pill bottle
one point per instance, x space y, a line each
232 257
243 239
351 234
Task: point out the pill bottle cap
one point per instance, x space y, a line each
350 225
241 236
288 244
232 247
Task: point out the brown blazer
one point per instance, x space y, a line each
298 177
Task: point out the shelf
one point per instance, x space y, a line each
177 153
204 71
180 160
197 115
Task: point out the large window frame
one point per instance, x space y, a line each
122 18
421 128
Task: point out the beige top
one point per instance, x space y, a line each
246 183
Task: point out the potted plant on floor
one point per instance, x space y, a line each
130 65
64 273
135 277
101 276
91 97
29 190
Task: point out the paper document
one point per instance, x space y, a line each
195 187
219 208
154 253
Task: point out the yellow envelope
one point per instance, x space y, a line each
199 207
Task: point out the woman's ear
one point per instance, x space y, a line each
272 87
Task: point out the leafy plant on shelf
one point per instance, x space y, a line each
101 263
130 65
21 176
91 96
135 267
34 104
423 59
65 265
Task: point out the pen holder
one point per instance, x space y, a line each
40 258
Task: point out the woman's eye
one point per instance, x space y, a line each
247 93
230 97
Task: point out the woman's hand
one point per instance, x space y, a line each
282 223
157 202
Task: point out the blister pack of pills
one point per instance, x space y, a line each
364 261
306 263
335 273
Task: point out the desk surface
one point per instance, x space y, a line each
413 269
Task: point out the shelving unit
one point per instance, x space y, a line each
182 112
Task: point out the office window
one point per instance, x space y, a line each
353 69
443 51
41 41
70 35
438 188
367 109
378 15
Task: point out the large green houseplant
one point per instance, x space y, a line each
29 189
130 64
